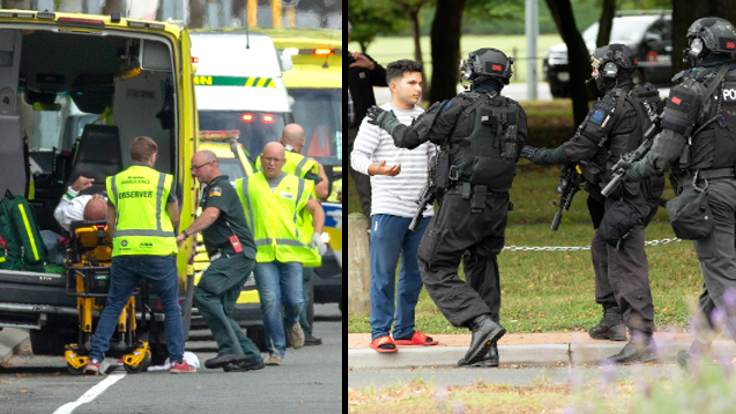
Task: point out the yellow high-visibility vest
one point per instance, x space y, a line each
142 223
273 216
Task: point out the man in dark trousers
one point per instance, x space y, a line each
613 127
363 74
232 253
480 134
698 141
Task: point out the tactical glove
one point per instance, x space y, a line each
529 152
385 120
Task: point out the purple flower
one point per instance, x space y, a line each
718 316
608 372
569 410
458 408
729 298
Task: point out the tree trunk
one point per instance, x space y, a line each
196 13
416 32
577 55
445 40
684 13
605 23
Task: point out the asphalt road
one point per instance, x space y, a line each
309 381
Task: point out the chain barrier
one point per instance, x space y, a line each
660 242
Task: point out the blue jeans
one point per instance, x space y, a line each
391 238
279 283
125 275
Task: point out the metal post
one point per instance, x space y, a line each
531 30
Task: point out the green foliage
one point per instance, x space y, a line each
372 17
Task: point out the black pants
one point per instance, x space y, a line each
456 233
362 181
622 272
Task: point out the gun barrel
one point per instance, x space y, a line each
612 185
556 220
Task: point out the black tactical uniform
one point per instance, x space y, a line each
698 141
614 126
479 134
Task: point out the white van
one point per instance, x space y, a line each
238 86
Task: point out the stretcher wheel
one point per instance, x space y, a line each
144 364
74 371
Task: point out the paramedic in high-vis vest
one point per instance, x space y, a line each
306 168
273 201
142 214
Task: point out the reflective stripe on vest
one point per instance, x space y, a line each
136 231
273 215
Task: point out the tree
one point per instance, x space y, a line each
370 17
412 8
684 12
577 55
605 23
445 41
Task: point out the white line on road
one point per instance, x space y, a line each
91 394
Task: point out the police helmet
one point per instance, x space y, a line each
612 59
712 34
487 62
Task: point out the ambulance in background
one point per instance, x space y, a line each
314 84
239 86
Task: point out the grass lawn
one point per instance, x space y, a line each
418 396
388 49
554 291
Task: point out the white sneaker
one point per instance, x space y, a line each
295 335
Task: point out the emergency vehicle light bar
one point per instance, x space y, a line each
219 135
148 25
75 21
20 15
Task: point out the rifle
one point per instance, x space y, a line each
426 198
619 169
570 180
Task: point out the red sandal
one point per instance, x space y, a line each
417 338
384 344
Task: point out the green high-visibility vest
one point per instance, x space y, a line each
273 216
299 165
142 223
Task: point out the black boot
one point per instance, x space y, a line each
243 366
640 348
220 360
486 333
490 359
697 349
611 326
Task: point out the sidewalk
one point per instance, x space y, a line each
552 348
10 340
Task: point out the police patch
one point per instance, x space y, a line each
597 117
214 192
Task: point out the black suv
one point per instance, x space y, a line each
649 35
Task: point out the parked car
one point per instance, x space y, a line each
649 35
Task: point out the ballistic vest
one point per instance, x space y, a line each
485 145
142 223
713 141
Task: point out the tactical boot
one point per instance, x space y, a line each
223 359
611 326
697 349
486 333
490 359
641 349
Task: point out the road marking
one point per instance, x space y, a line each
91 394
